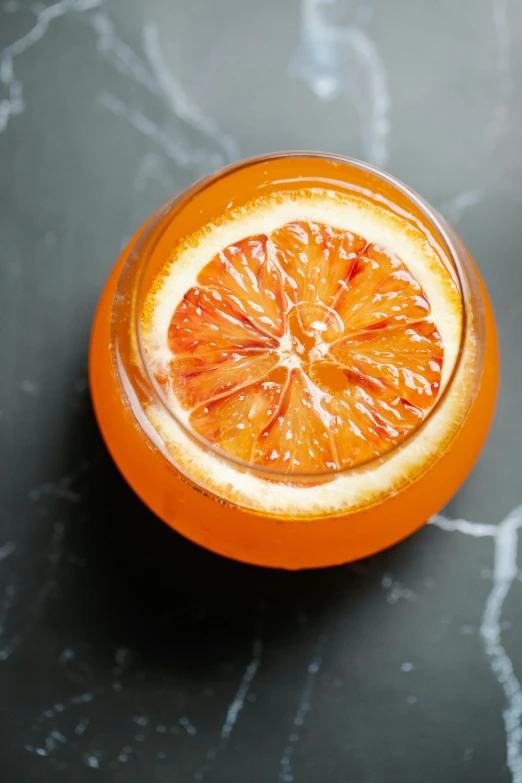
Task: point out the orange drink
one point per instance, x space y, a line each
294 362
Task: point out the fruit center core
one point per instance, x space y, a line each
311 328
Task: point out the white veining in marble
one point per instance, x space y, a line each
335 61
238 701
303 708
216 148
476 529
173 146
177 98
154 75
454 208
234 708
505 571
121 56
14 103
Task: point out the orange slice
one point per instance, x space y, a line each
304 345
306 350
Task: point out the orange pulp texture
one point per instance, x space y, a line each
262 539
309 350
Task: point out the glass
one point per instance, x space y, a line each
125 392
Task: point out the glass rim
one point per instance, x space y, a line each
451 250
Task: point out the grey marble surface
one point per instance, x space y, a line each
126 653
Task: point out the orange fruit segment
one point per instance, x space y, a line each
298 438
305 349
197 379
404 359
247 278
206 321
315 259
382 292
234 421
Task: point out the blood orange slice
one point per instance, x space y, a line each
292 337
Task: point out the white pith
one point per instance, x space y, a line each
350 489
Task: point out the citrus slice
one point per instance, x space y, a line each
306 335
308 349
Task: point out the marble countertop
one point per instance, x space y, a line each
127 654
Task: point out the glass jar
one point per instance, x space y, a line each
218 508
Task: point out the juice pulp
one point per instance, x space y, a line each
224 527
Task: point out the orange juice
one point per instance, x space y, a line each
294 362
